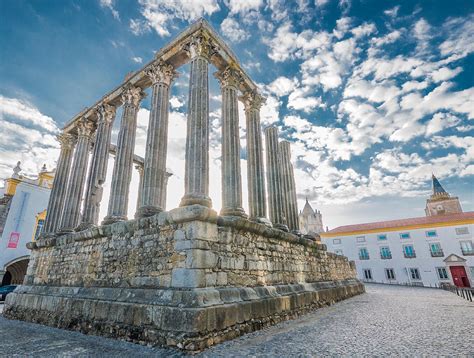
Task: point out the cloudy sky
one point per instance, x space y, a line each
374 95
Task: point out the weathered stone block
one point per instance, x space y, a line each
186 277
196 258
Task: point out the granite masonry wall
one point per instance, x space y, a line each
184 278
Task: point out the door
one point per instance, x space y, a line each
459 276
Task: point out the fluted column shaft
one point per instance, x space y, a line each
58 192
196 177
164 191
98 167
288 186
123 166
255 166
231 177
72 210
161 75
275 197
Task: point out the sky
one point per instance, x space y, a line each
374 96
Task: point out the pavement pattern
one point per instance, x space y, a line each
385 321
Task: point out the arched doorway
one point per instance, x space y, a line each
15 271
7 278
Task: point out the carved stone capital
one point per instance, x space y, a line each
161 72
139 169
200 46
252 100
132 96
84 128
106 113
229 77
66 140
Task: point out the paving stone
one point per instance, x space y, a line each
386 321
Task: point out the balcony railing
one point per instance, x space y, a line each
467 252
363 257
409 255
386 257
438 253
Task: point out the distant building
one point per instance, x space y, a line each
22 214
427 251
311 221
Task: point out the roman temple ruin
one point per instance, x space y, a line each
187 277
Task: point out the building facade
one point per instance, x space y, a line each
23 212
310 220
434 250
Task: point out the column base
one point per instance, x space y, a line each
262 220
281 227
233 212
192 199
147 210
84 226
65 230
113 219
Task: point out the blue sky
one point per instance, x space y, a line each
374 95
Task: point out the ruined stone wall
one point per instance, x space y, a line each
157 252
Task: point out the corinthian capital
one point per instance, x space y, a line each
200 46
252 100
106 113
132 96
161 72
84 128
66 140
229 77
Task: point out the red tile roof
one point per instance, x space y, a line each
424 220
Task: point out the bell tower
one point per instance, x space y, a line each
440 202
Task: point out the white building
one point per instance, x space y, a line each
431 251
22 213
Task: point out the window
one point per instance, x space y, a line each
338 252
436 250
360 239
385 252
382 237
415 274
39 228
462 231
367 274
442 273
390 274
336 241
405 235
363 253
431 233
409 251
466 247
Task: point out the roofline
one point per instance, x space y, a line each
398 228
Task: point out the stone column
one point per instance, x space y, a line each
58 192
123 166
275 197
72 210
140 171
231 178
98 167
196 178
161 75
288 186
255 167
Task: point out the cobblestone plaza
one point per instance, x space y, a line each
386 321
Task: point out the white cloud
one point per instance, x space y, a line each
300 99
441 121
232 30
393 11
137 59
445 73
282 86
158 13
110 5
243 6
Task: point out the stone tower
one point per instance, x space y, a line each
311 221
440 202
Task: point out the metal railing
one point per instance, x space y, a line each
467 252
438 253
409 255
464 292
